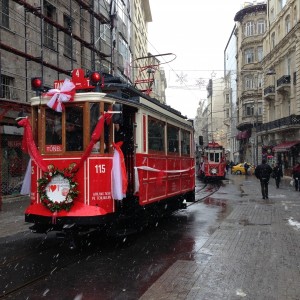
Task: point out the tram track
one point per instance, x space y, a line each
49 260
208 189
52 260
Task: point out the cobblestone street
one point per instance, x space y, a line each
254 254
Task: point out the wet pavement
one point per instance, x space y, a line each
253 253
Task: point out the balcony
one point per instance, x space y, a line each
290 121
284 83
269 92
249 122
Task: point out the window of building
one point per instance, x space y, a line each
227 98
295 15
249 110
7 87
68 43
288 66
281 4
249 82
272 14
173 139
105 32
259 53
249 28
249 56
259 110
259 80
121 10
156 135
261 26
4 9
273 40
227 113
49 12
185 142
287 24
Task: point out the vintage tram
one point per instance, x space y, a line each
213 164
102 152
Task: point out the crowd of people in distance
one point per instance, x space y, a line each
264 172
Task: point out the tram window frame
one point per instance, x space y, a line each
53 122
172 140
104 145
156 135
76 126
185 143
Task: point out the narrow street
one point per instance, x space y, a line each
183 256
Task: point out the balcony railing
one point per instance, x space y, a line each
279 123
269 90
284 80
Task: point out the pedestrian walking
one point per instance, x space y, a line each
296 176
246 167
277 174
263 173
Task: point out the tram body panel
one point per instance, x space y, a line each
94 182
156 180
178 178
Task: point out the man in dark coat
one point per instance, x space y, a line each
263 173
277 174
296 176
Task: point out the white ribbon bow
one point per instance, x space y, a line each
65 94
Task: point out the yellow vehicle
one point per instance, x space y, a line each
240 170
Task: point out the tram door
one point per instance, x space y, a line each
126 134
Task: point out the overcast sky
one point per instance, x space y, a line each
197 32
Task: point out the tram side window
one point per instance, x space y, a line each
173 139
156 135
74 128
94 117
185 142
53 127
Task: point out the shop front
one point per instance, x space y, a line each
287 154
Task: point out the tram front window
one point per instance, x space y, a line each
74 129
53 127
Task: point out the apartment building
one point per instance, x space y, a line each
280 131
250 30
48 39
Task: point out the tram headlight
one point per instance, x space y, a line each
213 171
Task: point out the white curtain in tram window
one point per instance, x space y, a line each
26 186
117 177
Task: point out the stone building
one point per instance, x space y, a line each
250 30
280 131
48 39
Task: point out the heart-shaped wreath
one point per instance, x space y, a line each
58 189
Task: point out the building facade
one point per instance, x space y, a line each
250 31
48 39
280 131
230 96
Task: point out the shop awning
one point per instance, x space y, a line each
286 146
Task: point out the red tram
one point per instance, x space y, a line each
213 165
101 151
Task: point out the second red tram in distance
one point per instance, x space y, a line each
102 152
213 164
